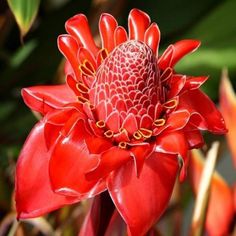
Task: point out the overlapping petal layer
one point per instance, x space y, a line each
34 194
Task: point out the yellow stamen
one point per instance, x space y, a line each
100 124
170 104
122 145
137 135
103 54
83 100
109 133
123 130
87 68
159 122
146 133
82 88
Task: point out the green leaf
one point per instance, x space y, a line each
25 12
216 31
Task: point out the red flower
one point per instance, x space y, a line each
123 123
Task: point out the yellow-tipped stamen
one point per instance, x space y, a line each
103 54
123 130
159 122
137 135
146 133
83 100
100 124
122 145
171 104
87 68
82 88
109 133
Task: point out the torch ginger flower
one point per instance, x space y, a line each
123 122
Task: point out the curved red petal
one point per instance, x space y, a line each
178 119
220 200
196 101
47 98
140 153
150 192
78 27
96 145
174 143
107 26
34 195
70 161
110 160
138 22
120 35
182 48
85 55
166 58
194 138
152 37
69 48
193 82
177 83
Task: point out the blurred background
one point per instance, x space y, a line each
33 58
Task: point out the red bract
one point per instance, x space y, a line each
123 122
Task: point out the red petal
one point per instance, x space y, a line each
152 37
69 162
194 138
78 27
182 48
140 153
178 119
107 26
84 54
120 35
196 101
34 195
130 123
113 121
228 108
46 98
109 161
138 22
141 201
195 82
69 48
96 145
221 204
176 84
165 60
174 143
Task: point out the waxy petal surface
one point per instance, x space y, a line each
47 98
141 201
69 162
197 101
34 195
